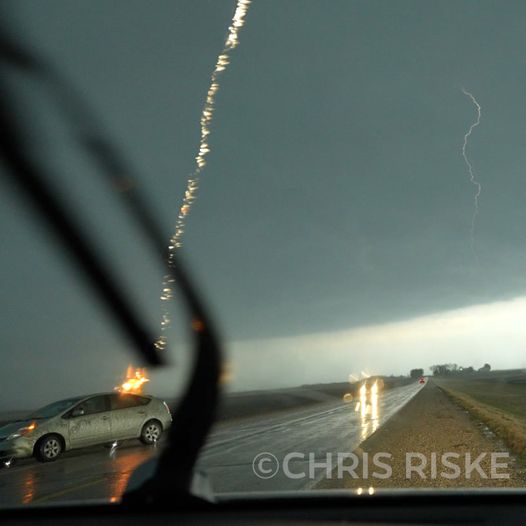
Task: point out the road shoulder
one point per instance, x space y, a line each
429 424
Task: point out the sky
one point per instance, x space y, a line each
331 233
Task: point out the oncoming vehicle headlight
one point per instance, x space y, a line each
23 431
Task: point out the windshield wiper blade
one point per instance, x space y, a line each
195 413
27 177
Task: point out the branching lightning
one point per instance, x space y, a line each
472 178
190 195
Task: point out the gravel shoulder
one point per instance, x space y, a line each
430 423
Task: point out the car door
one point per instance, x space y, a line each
128 414
90 422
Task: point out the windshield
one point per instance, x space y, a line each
344 181
55 408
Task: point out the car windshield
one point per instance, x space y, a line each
344 182
54 409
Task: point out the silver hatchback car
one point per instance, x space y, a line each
85 421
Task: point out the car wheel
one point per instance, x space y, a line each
151 432
49 448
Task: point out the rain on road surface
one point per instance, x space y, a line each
96 473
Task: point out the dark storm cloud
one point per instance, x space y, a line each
335 195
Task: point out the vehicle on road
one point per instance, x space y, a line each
85 421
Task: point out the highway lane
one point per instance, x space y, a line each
337 428
99 473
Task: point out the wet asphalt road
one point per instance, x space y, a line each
98 473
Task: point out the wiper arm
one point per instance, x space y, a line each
195 413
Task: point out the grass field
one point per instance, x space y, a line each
498 399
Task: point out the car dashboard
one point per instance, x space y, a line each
312 508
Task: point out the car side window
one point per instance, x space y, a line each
124 401
97 404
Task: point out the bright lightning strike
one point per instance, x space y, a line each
190 195
472 178
113 448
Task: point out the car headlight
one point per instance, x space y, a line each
23 431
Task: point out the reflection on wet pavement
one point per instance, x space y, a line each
103 473
91 474
124 467
368 408
29 488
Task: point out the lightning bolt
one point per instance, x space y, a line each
113 448
192 185
472 177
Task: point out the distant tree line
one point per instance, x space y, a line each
452 369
